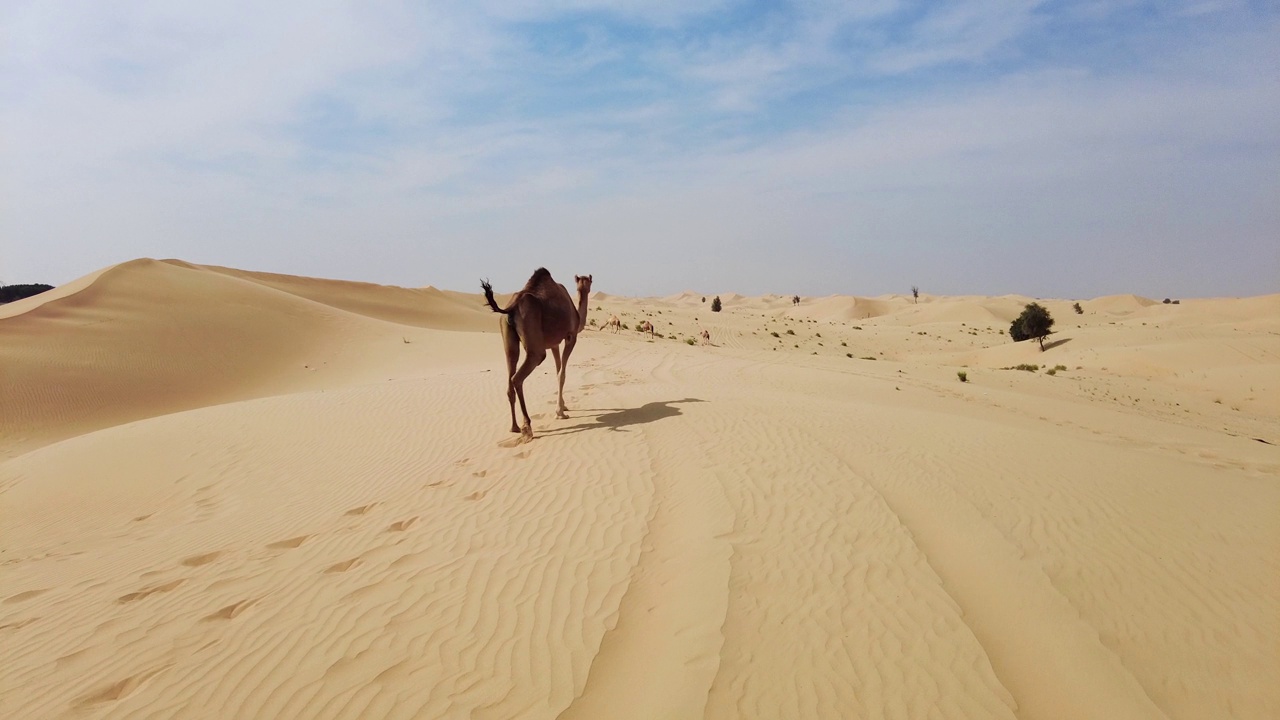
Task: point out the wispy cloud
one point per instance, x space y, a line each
738 144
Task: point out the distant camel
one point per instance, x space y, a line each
539 316
795 299
614 323
706 336
646 327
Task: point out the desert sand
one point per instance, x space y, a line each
228 494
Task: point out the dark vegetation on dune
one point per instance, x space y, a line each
9 293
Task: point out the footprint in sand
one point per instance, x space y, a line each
27 595
402 525
118 690
342 567
149 591
361 510
480 473
463 462
437 483
140 518
290 543
476 495
231 611
18 625
202 559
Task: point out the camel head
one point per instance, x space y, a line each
583 283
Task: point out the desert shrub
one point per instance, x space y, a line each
868 357
592 322
1032 324
624 326
817 334
964 376
915 293
1167 301
1051 371
848 355
1027 367
1057 368
1076 306
791 332
715 304
658 335
9 293
1177 302
843 344
774 333
689 341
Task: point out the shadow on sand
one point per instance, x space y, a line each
618 418
1056 343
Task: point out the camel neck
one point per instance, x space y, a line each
582 311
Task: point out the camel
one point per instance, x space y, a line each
706 336
540 316
614 323
646 327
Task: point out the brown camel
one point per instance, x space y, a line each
614 323
646 327
539 316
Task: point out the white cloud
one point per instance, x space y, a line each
154 130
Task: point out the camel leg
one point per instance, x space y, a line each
569 342
532 359
511 348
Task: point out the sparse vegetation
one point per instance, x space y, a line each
1026 367
915 294
790 331
1032 324
715 304
868 357
9 293
1076 306
1057 368
848 355
689 341
1051 371
774 333
964 376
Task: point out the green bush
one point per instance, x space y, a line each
715 304
964 376
1032 324
689 341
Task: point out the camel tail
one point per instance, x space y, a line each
488 296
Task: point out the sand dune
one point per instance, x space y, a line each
237 494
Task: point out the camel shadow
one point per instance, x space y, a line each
618 418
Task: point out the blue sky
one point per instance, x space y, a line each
1065 149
